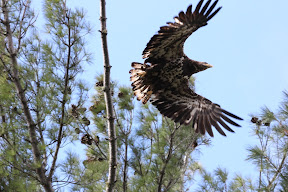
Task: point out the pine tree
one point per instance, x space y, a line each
270 156
39 86
154 153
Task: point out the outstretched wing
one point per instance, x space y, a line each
168 43
186 106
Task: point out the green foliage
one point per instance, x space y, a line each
154 153
125 97
47 65
270 155
220 181
149 145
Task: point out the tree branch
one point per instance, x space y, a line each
277 171
108 101
63 101
167 159
40 170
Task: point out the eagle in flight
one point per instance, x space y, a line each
164 76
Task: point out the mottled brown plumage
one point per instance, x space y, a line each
165 74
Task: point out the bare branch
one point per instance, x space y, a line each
108 100
63 100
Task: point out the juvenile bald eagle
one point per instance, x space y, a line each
164 76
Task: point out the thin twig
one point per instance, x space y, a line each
167 159
63 101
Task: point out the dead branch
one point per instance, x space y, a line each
108 100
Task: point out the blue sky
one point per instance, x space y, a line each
246 42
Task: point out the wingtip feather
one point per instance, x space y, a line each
230 114
198 6
214 13
205 7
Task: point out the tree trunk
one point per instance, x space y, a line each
40 170
108 100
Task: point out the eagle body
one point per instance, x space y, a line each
164 76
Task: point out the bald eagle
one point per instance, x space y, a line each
164 75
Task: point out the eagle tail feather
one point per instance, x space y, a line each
141 90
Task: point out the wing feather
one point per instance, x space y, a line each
201 124
198 7
218 128
213 14
189 14
194 108
207 122
225 125
185 116
205 7
211 9
179 115
230 121
168 42
231 115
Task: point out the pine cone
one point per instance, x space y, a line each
86 121
74 111
77 130
120 94
254 119
259 122
267 124
99 84
87 139
97 140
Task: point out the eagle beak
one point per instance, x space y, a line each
208 65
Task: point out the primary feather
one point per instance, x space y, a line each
166 71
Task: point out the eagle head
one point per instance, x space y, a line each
203 66
191 66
